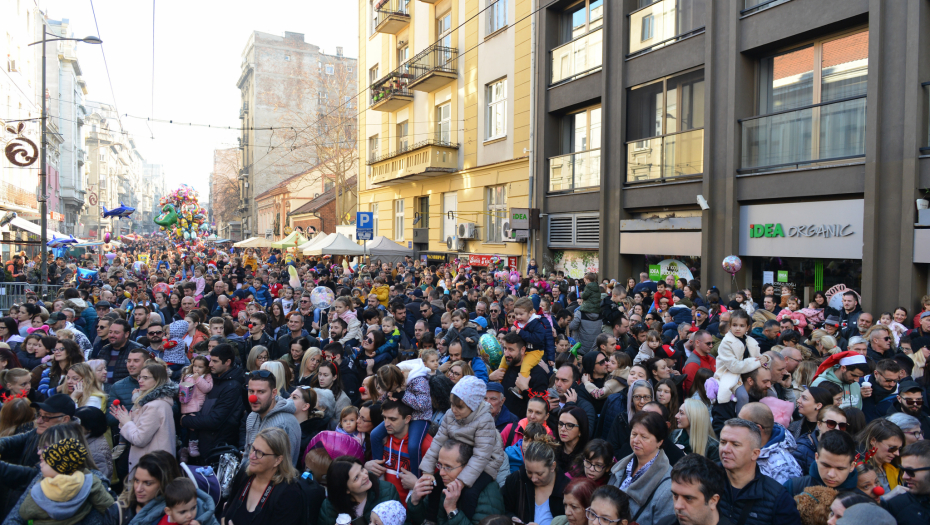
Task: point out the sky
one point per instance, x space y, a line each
198 46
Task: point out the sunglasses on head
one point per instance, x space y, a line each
264 374
831 424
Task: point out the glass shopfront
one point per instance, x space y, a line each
805 276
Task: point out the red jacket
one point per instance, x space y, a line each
668 295
692 364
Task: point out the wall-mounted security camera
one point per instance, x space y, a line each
702 202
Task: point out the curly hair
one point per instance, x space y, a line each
814 504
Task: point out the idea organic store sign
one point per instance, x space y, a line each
799 229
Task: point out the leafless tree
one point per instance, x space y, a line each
225 192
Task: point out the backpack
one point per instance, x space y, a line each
313 495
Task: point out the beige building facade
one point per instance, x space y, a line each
444 145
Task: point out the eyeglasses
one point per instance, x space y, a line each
912 401
570 426
446 468
911 472
305 300
596 467
258 454
264 374
592 516
918 434
831 424
642 398
885 379
40 417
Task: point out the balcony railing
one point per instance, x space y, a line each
80 156
581 56
663 23
668 157
433 68
754 6
575 171
391 92
391 16
823 132
415 162
15 195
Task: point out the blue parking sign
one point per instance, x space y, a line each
364 225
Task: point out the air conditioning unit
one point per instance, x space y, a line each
454 244
468 230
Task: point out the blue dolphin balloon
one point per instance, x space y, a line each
122 212
59 242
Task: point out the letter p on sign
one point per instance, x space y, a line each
364 220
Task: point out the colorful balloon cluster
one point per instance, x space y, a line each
182 217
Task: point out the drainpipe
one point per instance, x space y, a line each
531 239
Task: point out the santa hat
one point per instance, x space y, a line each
842 359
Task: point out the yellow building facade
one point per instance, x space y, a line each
444 143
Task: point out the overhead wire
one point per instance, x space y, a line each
105 64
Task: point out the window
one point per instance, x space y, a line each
330 70
581 19
322 98
444 123
374 217
444 29
579 166
403 55
665 130
374 15
422 213
399 220
496 123
497 15
648 29
402 137
449 208
374 74
497 213
374 148
348 69
812 104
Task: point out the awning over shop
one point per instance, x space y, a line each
34 229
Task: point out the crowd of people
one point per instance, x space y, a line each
252 387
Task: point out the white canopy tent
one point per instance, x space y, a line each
254 242
336 244
320 237
384 249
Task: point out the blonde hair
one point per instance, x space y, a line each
466 368
699 425
64 333
429 352
828 342
280 445
92 386
308 355
804 374
277 369
159 374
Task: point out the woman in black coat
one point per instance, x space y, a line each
541 474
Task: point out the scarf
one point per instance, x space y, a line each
631 477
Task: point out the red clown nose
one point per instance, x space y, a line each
878 491
115 402
362 389
253 398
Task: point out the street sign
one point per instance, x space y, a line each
364 225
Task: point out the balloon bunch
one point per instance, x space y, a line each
182 218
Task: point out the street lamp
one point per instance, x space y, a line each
43 203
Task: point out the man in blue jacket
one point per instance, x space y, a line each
834 465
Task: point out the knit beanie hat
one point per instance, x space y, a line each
864 513
471 391
391 512
66 457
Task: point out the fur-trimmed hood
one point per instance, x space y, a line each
76 304
169 390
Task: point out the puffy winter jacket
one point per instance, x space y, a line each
537 334
152 425
477 428
586 328
795 486
776 460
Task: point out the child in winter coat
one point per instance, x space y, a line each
67 492
469 420
736 356
200 282
407 382
536 332
464 332
591 296
343 308
648 349
197 382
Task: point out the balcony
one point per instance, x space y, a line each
663 23
391 16
575 171
433 68
391 92
755 6
79 153
417 162
826 132
668 157
430 1
244 110
582 56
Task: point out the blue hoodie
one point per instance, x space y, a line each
515 456
262 295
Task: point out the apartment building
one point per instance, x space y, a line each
446 136
285 83
791 133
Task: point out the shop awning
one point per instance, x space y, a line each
34 229
254 242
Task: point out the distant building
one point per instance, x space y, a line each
278 88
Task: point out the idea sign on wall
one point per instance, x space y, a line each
820 229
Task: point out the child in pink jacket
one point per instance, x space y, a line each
196 382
